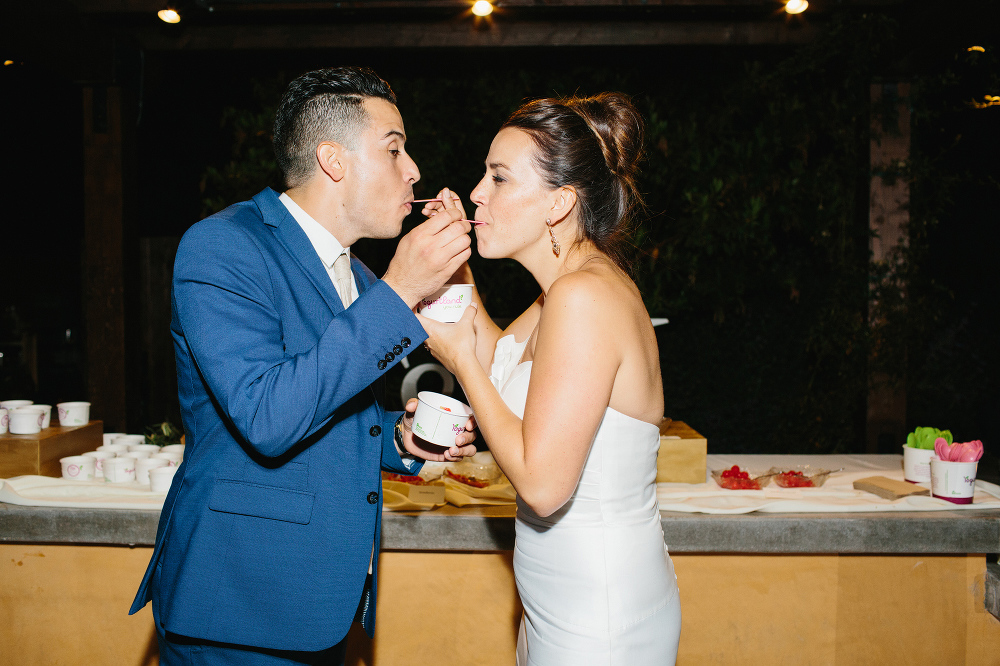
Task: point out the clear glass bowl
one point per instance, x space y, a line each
756 479
800 476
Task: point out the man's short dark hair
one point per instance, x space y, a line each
322 105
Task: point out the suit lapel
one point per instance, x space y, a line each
290 235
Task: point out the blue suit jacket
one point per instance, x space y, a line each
266 533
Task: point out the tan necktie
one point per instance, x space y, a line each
342 273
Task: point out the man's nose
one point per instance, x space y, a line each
412 172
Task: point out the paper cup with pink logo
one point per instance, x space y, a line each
78 468
144 465
439 418
73 413
160 478
447 304
99 458
173 459
953 481
4 421
25 421
119 470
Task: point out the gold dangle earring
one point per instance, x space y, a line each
552 235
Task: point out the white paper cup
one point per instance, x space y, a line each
917 464
160 478
129 440
11 405
144 465
953 481
73 413
4 421
173 448
99 458
25 421
448 303
148 449
117 449
47 409
119 470
439 418
78 468
109 437
173 459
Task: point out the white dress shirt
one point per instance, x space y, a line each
326 245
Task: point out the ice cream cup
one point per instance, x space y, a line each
99 458
173 448
148 449
73 413
109 437
143 467
917 464
119 470
129 440
953 481
117 449
78 468
447 304
11 405
173 459
25 421
439 418
160 478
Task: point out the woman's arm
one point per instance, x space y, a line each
575 363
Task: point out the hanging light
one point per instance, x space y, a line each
169 15
482 8
976 48
796 6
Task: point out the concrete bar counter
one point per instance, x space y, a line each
828 588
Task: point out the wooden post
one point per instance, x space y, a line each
888 218
103 261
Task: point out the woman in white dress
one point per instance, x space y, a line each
569 396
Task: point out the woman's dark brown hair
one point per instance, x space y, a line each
593 144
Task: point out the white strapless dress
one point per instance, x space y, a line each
595 579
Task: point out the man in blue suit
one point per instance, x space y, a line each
267 546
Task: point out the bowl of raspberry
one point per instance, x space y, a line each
735 478
800 476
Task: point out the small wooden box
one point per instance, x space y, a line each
683 454
40 453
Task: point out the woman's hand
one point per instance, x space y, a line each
449 203
451 344
421 448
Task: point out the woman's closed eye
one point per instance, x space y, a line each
498 179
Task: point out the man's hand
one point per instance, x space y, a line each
430 254
462 448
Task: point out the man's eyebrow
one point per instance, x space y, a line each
498 165
394 133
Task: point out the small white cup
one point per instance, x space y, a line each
73 413
439 418
11 405
117 449
148 449
953 481
917 464
119 470
173 459
99 458
173 448
109 437
129 440
25 421
144 465
160 478
448 303
4 421
47 409
78 468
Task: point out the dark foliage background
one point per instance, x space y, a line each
756 241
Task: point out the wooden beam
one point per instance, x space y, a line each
469 34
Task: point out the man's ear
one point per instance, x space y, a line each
562 203
329 155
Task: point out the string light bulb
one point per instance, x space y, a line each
482 8
796 6
169 15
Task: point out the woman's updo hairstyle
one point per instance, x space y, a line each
593 144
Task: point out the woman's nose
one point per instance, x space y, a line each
478 195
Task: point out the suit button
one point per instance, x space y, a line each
405 342
373 497
382 364
375 431
389 357
397 350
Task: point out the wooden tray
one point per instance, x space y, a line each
40 453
